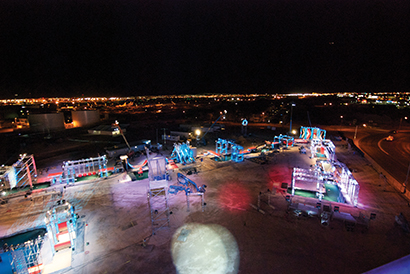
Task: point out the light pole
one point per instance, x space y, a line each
291 113
401 120
407 178
341 121
165 136
197 133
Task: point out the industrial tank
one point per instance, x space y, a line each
83 118
46 121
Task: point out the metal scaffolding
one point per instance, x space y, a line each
61 223
328 171
84 167
157 193
159 209
21 174
26 257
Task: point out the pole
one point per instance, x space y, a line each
355 133
165 137
401 120
117 125
291 114
222 115
407 178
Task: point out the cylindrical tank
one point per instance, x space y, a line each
194 151
85 117
46 121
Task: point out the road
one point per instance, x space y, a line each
393 157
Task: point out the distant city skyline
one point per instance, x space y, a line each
123 48
400 99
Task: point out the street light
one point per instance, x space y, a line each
291 113
197 133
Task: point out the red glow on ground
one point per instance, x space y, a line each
234 197
277 175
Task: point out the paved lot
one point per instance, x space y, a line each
117 224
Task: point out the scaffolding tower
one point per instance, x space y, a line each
26 257
159 209
157 193
61 223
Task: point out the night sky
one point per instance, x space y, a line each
127 48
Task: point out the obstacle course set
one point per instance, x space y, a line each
327 178
327 171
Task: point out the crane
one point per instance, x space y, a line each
117 126
222 115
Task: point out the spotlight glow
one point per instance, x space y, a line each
204 248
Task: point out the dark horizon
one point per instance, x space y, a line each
132 48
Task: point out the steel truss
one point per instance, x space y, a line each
26 257
21 174
159 208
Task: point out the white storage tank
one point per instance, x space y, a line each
83 118
194 151
46 121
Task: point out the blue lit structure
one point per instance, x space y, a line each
237 153
190 188
244 127
224 147
184 180
174 189
284 140
182 153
